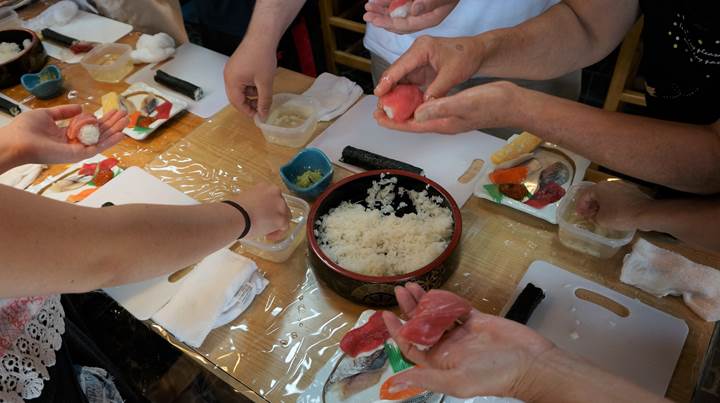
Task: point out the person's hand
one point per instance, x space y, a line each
485 356
38 139
613 205
423 14
249 77
438 64
268 211
483 107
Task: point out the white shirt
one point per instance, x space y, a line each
470 17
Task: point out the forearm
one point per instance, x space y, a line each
567 37
687 220
270 19
560 377
680 156
9 157
50 247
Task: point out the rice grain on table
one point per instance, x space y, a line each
373 241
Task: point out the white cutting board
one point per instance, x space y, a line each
444 158
134 185
86 27
198 65
643 347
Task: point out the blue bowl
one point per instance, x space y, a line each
46 84
307 159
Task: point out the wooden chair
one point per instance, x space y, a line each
332 18
625 71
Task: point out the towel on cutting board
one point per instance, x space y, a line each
22 176
219 289
661 272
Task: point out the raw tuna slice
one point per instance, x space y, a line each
436 312
400 103
83 128
399 8
365 338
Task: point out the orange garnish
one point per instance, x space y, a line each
81 196
401 394
514 175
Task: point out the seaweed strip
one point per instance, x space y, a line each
525 304
371 161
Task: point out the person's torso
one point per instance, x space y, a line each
470 17
681 59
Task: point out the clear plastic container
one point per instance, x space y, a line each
574 233
9 19
291 122
109 62
281 251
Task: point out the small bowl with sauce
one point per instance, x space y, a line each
291 122
308 174
46 84
585 235
109 63
281 250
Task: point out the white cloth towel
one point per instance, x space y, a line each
153 48
219 289
58 14
662 272
22 176
333 95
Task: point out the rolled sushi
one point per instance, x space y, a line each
400 8
84 128
400 103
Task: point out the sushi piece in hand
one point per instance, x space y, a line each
84 128
400 8
436 312
400 103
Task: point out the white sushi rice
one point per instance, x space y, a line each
373 241
89 135
402 11
10 50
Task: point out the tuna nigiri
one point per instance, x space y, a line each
400 103
399 8
366 338
436 312
84 128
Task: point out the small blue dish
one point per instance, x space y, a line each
46 84
307 159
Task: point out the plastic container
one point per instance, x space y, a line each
9 19
109 62
581 239
291 122
281 251
308 159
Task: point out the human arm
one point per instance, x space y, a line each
423 14
34 137
251 69
677 155
570 35
490 356
622 206
49 247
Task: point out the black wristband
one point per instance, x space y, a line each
245 215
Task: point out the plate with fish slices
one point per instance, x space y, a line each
533 182
147 107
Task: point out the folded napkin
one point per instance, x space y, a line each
22 176
661 272
153 48
334 95
219 289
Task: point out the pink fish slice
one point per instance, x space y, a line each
436 313
400 103
399 8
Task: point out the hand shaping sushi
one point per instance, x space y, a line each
84 128
400 8
400 103
436 312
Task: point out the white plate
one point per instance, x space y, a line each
178 106
546 213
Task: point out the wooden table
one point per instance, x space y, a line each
273 349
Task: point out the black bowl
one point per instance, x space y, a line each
372 290
29 60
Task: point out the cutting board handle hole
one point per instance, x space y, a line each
472 171
603 301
